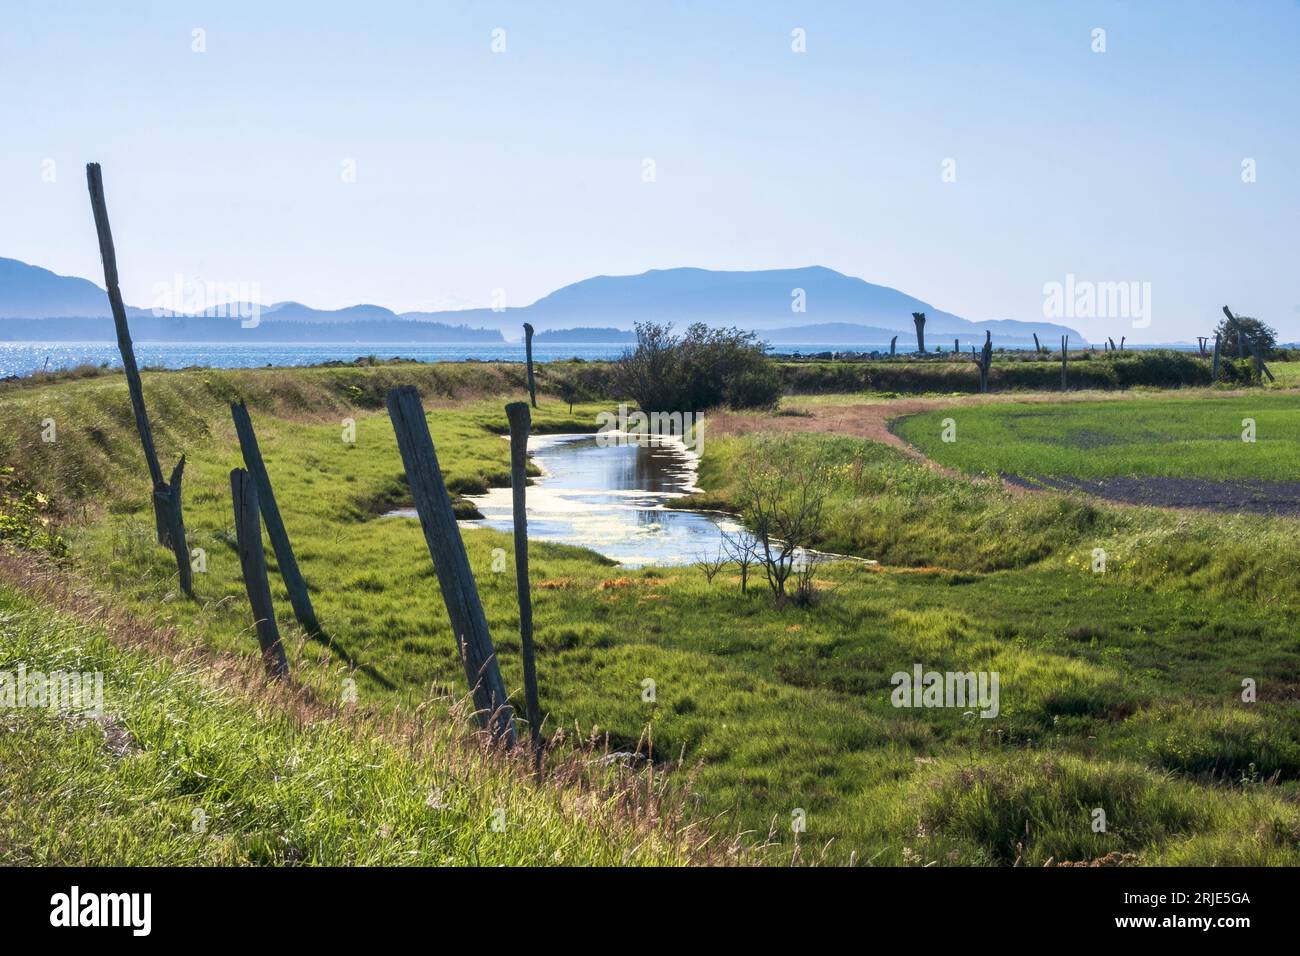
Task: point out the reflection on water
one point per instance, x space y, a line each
610 499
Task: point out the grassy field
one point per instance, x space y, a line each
1185 437
1120 691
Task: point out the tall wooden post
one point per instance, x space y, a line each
520 422
248 534
1214 370
456 581
919 319
893 343
1038 349
284 556
985 360
161 490
956 346
528 354
1065 350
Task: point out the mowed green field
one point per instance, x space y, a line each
1119 691
1185 437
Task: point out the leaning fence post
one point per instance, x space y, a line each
455 580
161 490
528 354
248 536
1260 368
520 421
284 556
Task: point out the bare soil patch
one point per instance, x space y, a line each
1236 495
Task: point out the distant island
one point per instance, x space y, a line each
585 335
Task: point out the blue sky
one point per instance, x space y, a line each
523 170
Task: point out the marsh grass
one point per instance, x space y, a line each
1124 683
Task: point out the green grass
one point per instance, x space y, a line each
1194 438
1119 691
181 770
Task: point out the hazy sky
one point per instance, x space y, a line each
523 170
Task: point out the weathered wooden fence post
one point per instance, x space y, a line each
1038 349
248 536
1261 369
275 530
1065 349
108 255
169 524
520 422
919 319
528 353
893 344
1214 371
956 346
985 360
456 581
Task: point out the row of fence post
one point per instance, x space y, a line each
254 504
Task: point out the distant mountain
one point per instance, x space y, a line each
37 305
297 312
762 301
587 336
30 292
785 306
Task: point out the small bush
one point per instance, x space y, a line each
703 369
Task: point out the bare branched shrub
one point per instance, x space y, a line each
782 499
742 548
712 565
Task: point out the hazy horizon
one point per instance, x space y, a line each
968 157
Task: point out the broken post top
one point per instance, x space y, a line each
518 415
528 330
